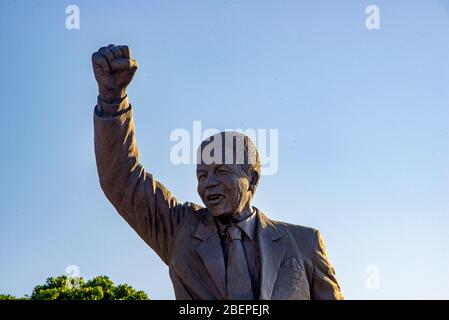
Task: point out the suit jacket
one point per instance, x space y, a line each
293 261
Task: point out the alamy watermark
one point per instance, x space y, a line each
72 22
73 277
185 150
372 22
372 281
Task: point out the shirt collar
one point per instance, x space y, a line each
248 225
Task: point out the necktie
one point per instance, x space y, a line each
238 280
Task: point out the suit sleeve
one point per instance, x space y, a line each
147 206
324 283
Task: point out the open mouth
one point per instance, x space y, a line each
214 198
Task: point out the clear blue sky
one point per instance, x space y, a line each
363 120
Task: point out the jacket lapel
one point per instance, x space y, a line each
272 252
211 252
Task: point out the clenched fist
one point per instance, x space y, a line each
114 69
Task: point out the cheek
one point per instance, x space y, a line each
237 190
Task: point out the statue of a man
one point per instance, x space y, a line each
228 249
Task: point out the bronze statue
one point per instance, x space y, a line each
227 250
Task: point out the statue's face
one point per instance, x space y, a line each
224 188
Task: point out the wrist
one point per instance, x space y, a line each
112 96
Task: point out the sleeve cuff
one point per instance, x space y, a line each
115 108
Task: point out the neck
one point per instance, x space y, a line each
238 216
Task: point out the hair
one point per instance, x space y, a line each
248 156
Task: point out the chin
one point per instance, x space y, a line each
216 213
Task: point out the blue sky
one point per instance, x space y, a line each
362 116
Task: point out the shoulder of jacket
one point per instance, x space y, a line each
306 236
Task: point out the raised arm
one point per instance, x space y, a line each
147 206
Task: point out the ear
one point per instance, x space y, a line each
254 180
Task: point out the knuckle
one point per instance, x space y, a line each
104 51
95 57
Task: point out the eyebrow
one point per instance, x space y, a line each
226 166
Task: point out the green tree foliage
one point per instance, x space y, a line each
98 288
7 297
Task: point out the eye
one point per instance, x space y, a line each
222 171
201 176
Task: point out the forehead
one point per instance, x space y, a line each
213 166
235 168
